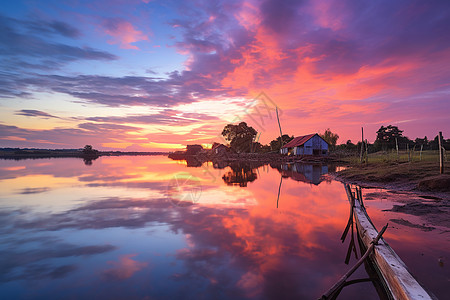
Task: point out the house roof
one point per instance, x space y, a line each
218 145
298 141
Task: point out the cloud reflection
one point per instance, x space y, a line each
124 268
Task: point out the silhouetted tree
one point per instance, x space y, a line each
330 137
240 136
89 152
386 138
275 144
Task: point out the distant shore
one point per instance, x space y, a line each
31 153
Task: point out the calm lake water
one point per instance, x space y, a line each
153 228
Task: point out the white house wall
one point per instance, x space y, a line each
307 148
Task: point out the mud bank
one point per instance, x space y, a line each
418 188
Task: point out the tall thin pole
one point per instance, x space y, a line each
367 152
362 145
396 146
279 125
409 152
441 154
421 147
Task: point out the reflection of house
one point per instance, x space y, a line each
218 148
311 144
304 172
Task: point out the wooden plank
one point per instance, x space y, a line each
399 281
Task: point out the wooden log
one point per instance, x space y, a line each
338 285
398 280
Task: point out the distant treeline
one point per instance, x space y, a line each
390 137
87 153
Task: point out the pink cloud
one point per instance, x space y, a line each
123 33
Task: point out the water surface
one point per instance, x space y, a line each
153 228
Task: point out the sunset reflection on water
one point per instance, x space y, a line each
123 228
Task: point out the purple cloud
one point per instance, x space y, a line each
35 113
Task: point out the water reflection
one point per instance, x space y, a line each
62 223
240 175
309 173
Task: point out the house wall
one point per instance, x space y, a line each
316 142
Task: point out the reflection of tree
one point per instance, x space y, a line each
239 175
89 154
88 161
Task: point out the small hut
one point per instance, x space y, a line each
218 148
311 144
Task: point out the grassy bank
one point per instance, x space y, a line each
408 171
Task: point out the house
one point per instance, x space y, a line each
218 148
311 144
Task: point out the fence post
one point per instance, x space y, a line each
362 145
441 154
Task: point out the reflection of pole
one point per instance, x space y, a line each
279 125
279 189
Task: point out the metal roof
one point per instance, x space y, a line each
298 141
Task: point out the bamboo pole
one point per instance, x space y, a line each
441 154
279 125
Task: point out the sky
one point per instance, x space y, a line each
147 75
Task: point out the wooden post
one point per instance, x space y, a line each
396 146
441 154
409 153
421 147
367 152
362 145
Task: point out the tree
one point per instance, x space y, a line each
386 137
88 149
240 136
330 137
275 144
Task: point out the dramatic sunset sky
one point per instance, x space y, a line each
157 75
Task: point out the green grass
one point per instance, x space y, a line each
391 156
386 168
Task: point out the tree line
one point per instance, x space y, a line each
243 138
391 137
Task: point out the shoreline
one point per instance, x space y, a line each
427 197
